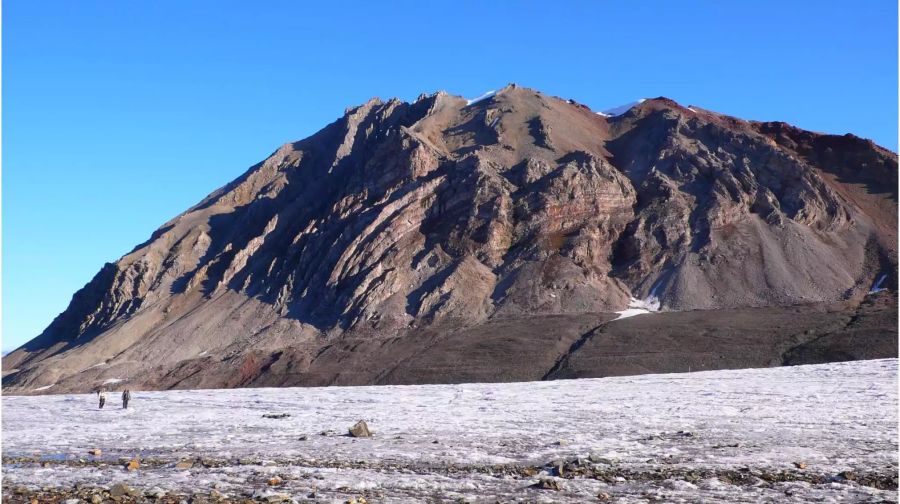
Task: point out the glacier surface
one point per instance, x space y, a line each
668 438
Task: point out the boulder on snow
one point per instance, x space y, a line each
361 429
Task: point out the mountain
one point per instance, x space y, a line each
494 240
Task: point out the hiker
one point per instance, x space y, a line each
126 396
102 395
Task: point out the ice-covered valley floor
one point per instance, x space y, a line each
824 433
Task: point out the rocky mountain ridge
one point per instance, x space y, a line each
520 216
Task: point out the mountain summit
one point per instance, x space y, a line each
499 239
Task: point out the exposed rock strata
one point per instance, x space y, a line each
521 220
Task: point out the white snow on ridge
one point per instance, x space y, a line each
621 109
45 387
485 96
112 380
640 307
834 417
630 312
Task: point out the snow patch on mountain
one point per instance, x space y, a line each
636 306
876 287
621 109
485 96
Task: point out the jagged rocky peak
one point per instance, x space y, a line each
448 212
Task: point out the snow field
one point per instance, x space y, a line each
465 441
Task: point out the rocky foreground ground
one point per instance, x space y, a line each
659 484
824 433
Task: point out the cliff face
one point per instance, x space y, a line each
496 234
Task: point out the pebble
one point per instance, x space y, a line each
121 490
548 484
156 493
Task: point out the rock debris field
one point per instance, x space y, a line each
825 433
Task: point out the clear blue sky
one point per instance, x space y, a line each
119 115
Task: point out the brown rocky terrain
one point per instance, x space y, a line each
443 241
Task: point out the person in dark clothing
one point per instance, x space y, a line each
102 395
126 396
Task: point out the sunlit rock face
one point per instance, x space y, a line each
514 215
